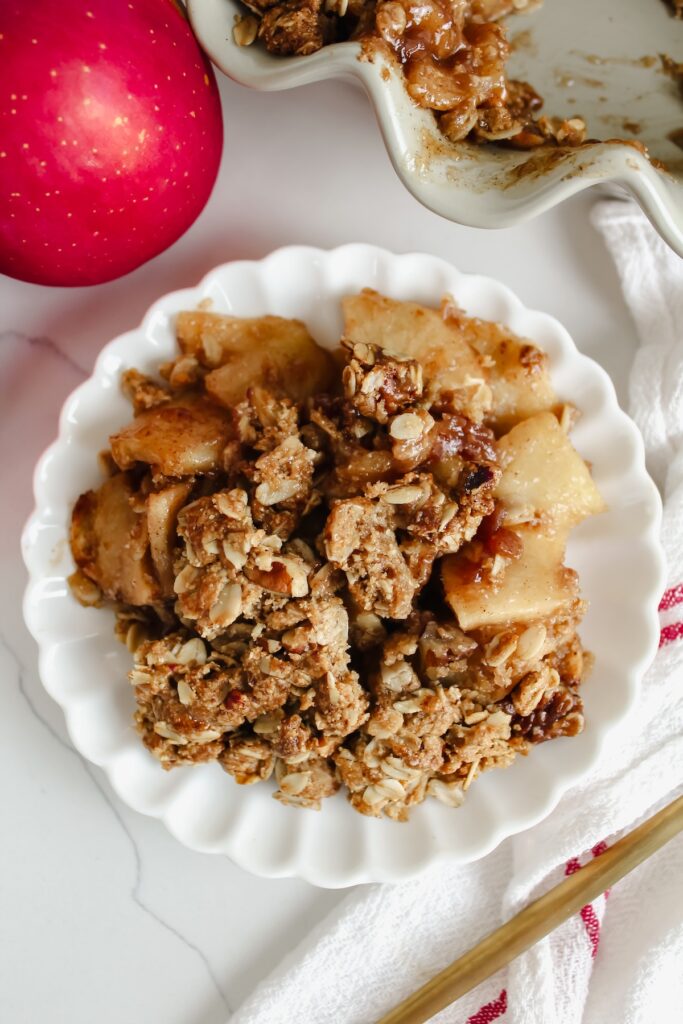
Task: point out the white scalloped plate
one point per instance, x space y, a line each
84 668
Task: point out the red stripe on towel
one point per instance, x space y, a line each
671 597
590 920
490 1011
671 633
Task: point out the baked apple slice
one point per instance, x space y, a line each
180 438
531 587
270 351
110 543
544 479
162 515
517 373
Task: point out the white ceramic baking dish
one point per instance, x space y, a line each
594 58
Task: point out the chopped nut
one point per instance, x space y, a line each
282 574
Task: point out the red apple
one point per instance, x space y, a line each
110 136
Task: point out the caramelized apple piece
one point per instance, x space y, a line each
162 514
110 543
544 478
533 586
417 332
177 439
517 373
270 351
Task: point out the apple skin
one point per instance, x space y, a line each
110 136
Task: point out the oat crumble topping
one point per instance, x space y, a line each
344 571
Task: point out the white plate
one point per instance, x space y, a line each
84 668
584 57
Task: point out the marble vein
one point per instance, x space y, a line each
46 345
135 891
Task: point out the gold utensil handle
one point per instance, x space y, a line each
539 918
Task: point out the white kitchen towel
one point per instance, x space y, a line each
383 941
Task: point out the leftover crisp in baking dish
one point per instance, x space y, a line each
344 569
453 54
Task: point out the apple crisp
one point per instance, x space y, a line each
344 570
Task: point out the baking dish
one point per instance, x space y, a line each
599 59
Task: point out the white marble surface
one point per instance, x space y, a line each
103 915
